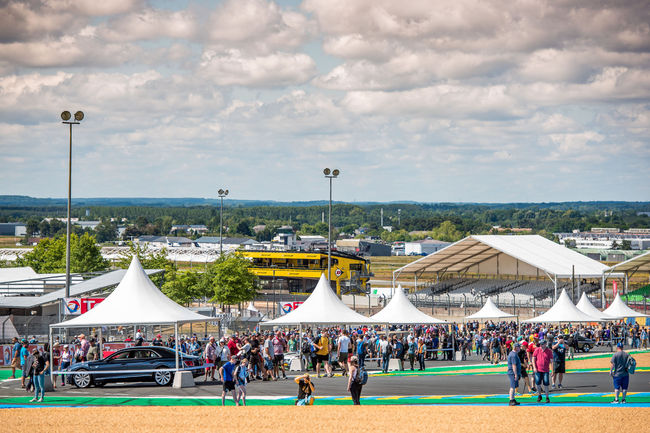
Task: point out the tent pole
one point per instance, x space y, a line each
51 340
300 344
176 344
602 291
101 345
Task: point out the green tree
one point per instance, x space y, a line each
626 245
182 286
243 228
31 227
106 231
232 280
49 255
447 232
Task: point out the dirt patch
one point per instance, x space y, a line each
325 419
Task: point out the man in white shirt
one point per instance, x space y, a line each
384 353
343 349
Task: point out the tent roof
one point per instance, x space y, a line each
620 309
252 307
585 305
322 307
637 263
534 250
564 311
135 301
400 311
489 311
95 284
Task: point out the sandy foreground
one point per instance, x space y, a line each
328 419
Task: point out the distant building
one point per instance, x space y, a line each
194 229
13 229
423 247
259 228
165 241
213 242
606 238
285 237
363 248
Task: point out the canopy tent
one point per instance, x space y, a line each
563 311
585 305
528 255
400 311
619 309
135 301
489 311
322 307
640 263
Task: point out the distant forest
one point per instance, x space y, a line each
155 217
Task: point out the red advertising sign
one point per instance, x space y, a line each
615 287
88 304
288 307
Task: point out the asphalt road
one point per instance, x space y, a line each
377 386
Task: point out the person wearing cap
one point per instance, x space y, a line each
542 357
620 374
157 341
36 369
559 364
24 356
514 373
523 358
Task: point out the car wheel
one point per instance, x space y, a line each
586 348
162 377
81 379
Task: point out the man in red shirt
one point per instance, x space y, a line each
233 347
542 357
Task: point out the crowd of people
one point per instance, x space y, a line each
241 358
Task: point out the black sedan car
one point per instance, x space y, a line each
124 366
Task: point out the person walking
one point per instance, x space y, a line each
227 373
322 355
541 362
279 347
559 364
412 349
354 381
24 356
620 374
384 353
37 369
210 354
15 356
421 352
514 373
343 348
523 358
242 376
362 349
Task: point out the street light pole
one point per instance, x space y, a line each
222 194
78 117
330 175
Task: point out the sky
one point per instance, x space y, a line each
446 101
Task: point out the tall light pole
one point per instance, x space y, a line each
222 194
330 175
78 117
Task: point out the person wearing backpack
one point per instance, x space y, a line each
622 365
355 380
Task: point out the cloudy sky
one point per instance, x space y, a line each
459 100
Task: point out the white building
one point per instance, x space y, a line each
423 247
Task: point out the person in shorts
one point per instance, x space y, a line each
619 373
542 357
227 373
343 346
559 362
323 355
514 373
15 357
279 346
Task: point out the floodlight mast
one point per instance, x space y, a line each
65 117
222 194
330 174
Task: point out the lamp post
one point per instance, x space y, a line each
78 117
330 174
222 194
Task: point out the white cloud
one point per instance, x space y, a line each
277 69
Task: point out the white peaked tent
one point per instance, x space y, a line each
251 310
564 311
585 305
620 309
489 311
400 311
135 301
322 307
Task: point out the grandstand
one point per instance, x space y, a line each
517 270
